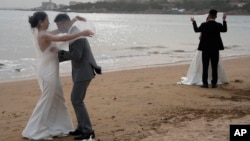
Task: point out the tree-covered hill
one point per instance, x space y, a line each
164 6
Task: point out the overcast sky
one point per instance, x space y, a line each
33 3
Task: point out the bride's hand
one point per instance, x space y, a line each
79 18
87 33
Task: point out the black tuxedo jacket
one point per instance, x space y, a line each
210 35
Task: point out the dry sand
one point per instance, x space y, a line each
143 105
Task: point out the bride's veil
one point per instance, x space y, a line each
38 51
202 18
35 43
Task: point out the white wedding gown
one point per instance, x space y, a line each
194 74
50 116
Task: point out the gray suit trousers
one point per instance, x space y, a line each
77 98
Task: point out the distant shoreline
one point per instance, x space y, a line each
122 69
137 12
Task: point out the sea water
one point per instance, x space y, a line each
122 41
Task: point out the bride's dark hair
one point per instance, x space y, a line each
36 18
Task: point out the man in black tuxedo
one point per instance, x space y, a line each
210 44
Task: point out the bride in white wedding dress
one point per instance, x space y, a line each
194 74
50 117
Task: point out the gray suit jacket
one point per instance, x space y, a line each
84 66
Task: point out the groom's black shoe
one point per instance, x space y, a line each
77 132
85 136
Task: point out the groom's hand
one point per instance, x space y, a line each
224 17
192 19
98 70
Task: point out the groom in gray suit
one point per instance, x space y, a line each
84 68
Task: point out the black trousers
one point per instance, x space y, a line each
208 56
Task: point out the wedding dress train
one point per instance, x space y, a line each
194 74
50 116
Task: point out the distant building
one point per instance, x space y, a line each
49 5
237 4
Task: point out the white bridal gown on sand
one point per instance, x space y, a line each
50 116
194 74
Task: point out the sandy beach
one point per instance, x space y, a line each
143 105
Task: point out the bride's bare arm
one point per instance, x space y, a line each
78 18
56 38
56 31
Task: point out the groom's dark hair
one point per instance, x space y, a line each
213 13
62 17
